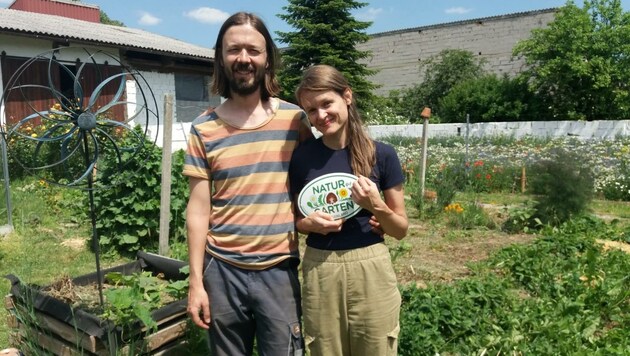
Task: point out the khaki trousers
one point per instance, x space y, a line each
351 303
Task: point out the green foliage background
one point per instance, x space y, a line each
577 69
325 33
128 214
579 63
562 295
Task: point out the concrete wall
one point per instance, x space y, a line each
582 129
397 54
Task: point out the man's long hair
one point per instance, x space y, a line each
220 83
320 78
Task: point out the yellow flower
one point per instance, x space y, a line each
33 135
454 207
343 193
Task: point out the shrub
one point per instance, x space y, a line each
442 72
128 213
23 154
383 115
562 186
489 98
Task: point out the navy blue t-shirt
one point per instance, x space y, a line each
313 159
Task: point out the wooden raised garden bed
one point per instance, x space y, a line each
57 328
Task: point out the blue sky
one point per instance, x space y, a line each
198 21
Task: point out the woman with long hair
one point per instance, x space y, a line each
350 298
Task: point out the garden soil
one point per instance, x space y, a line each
439 254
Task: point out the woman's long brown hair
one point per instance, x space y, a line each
322 77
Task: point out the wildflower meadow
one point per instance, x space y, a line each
496 164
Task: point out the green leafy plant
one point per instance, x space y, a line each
128 213
448 181
468 216
563 188
489 98
134 296
400 249
521 219
563 294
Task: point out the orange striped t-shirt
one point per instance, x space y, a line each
252 222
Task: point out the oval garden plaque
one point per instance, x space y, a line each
330 193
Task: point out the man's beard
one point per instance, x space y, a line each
243 87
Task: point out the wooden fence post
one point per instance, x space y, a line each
165 198
426 113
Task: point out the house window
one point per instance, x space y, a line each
192 95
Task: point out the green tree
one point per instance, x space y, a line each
579 63
441 73
106 20
326 33
489 98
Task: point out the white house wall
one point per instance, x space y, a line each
28 47
161 84
24 47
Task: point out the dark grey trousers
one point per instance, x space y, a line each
248 305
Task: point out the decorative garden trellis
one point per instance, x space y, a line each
72 121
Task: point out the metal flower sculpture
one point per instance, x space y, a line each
78 118
73 117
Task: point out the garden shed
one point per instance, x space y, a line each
170 66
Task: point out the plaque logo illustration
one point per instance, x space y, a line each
331 194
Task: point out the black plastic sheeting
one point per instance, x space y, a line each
30 295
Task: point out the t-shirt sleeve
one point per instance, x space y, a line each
195 162
390 168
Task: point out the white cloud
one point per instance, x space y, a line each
207 15
148 19
457 10
369 14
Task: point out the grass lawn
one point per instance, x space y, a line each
44 246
